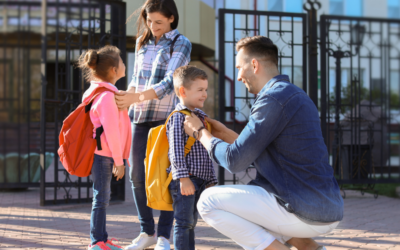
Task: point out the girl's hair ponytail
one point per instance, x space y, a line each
96 64
90 59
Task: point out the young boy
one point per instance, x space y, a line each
191 175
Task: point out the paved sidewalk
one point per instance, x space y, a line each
368 224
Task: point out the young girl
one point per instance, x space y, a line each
103 68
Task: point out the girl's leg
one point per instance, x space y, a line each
101 177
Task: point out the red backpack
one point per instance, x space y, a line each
76 141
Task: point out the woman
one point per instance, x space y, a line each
152 92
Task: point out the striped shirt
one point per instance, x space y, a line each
197 162
154 68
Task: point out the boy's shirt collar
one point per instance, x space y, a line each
196 111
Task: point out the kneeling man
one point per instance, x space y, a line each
294 196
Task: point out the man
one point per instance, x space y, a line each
294 196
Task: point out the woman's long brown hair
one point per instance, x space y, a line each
167 8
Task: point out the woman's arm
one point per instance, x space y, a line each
180 57
127 98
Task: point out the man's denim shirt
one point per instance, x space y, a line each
284 142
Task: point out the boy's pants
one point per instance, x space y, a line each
185 213
252 217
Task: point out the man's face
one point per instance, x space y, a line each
246 72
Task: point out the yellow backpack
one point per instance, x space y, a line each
156 164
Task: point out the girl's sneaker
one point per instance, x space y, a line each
112 246
99 246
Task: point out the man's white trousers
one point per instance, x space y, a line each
252 217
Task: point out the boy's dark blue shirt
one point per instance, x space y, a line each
197 162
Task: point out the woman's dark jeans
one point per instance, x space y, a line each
137 177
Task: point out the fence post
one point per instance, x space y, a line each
42 104
312 6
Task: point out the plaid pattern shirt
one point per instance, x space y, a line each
197 162
154 68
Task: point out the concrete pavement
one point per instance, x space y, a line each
368 224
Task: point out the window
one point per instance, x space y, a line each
275 5
286 5
393 8
354 7
294 6
346 7
336 7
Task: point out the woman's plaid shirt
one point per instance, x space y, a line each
197 162
154 68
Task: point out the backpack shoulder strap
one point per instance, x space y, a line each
171 49
96 94
191 140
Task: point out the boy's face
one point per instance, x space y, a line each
195 96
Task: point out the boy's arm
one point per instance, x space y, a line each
176 140
176 151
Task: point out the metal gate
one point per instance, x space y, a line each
360 104
69 28
19 94
286 30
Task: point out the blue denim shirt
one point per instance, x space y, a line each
283 140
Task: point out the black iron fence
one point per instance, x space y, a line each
40 44
356 91
286 30
360 107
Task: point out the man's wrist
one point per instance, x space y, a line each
197 133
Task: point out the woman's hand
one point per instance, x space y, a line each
119 172
125 99
192 123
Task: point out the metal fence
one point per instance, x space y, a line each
357 90
41 86
286 30
360 107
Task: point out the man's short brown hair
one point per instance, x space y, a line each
259 47
185 75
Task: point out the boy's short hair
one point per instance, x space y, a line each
183 76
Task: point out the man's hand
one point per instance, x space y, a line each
125 99
192 123
119 171
218 129
187 187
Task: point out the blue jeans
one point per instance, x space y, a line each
137 177
185 213
101 177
